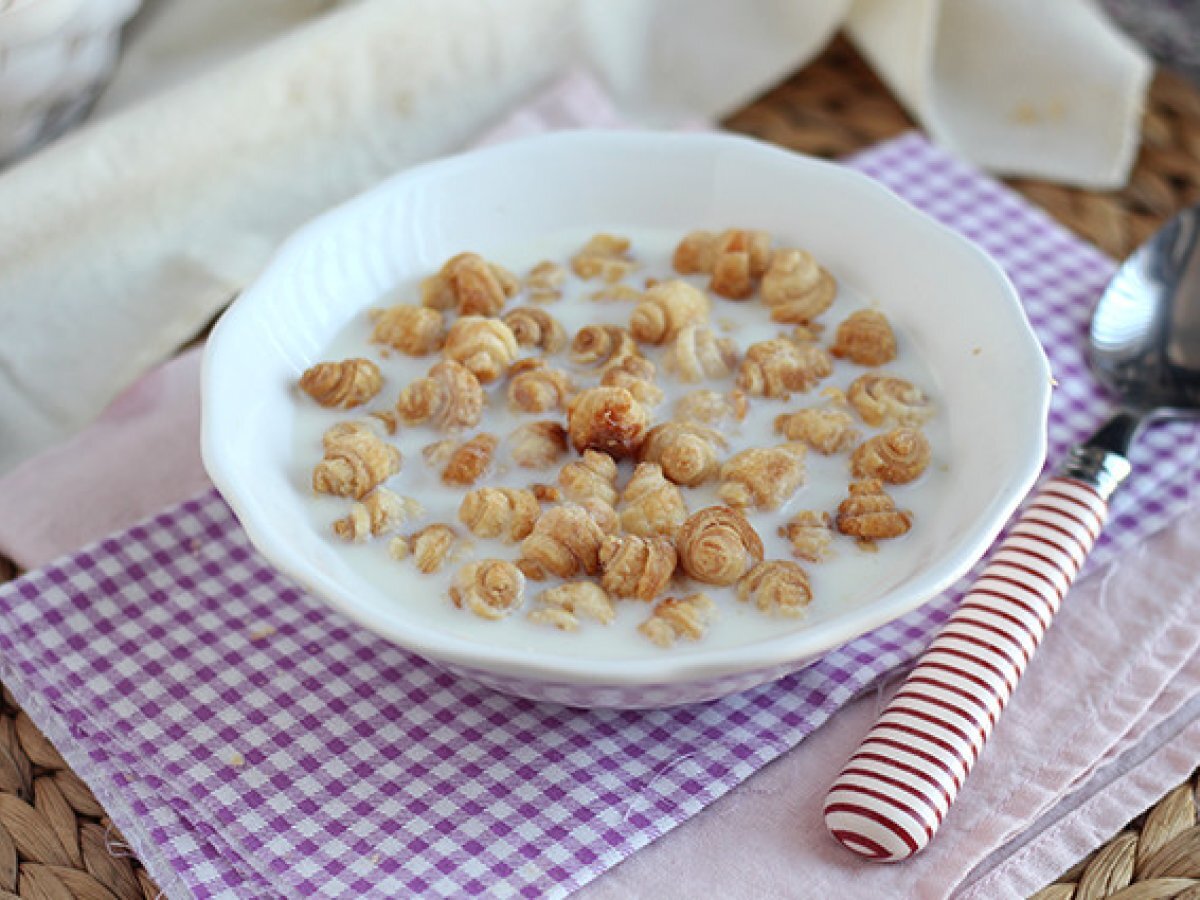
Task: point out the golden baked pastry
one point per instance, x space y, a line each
602 345
450 396
604 256
415 330
652 505
777 587
506 513
471 285
897 457
688 453
796 288
356 461
490 588
869 514
607 419
679 617
827 431
718 545
431 546
437 454
536 328
602 514
881 399
546 493
591 477
735 259
777 367
665 309
710 407
565 541
544 282
636 375
697 353
485 346
470 460
636 567
354 429
866 338
380 512
763 477
810 533
342 385
565 605
535 387
538 445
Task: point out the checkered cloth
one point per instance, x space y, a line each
250 742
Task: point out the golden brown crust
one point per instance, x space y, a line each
688 453
490 588
827 431
735 259
544 282
538 445
564 542
881 399
591 477
866 338
796 288
565 605
697 353
718 545
536 328
378 513
602 345
652 505
679 617
897 457
665 309
506 513
485 346
869 514
356 462
344 384
431 546
415 330
636 375
709 407
470 284
604 256
695 253
763 477
810 534
636 567
450 396
470 460
777 367
777 587
607 419
535 387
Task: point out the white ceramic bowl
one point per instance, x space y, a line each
954 303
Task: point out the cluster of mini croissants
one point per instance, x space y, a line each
602 540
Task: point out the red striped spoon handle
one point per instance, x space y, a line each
892 795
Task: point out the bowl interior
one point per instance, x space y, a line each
950 300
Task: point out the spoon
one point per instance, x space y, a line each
1144 346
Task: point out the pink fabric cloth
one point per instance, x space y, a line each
1107 718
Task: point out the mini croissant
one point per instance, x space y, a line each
778 587
470 284
796 288
885 398
636 567
604 256
777 367
608 419
342 385
869 514
636 375
827 431
536 387
507 513
718 545
763 477
652 505
565 605
697 353
356 462
430 547
602 345
538 445
866 338
679 617
591 477
564 542
378 513
485 346
810 534
536 328
734 258
897 457
665 309
544 282
449 396
490 588
470 460
415 330
687 452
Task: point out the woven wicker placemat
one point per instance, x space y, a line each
55 839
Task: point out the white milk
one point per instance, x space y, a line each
850 578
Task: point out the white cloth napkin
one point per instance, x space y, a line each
124 239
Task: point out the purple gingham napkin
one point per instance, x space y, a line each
250 742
